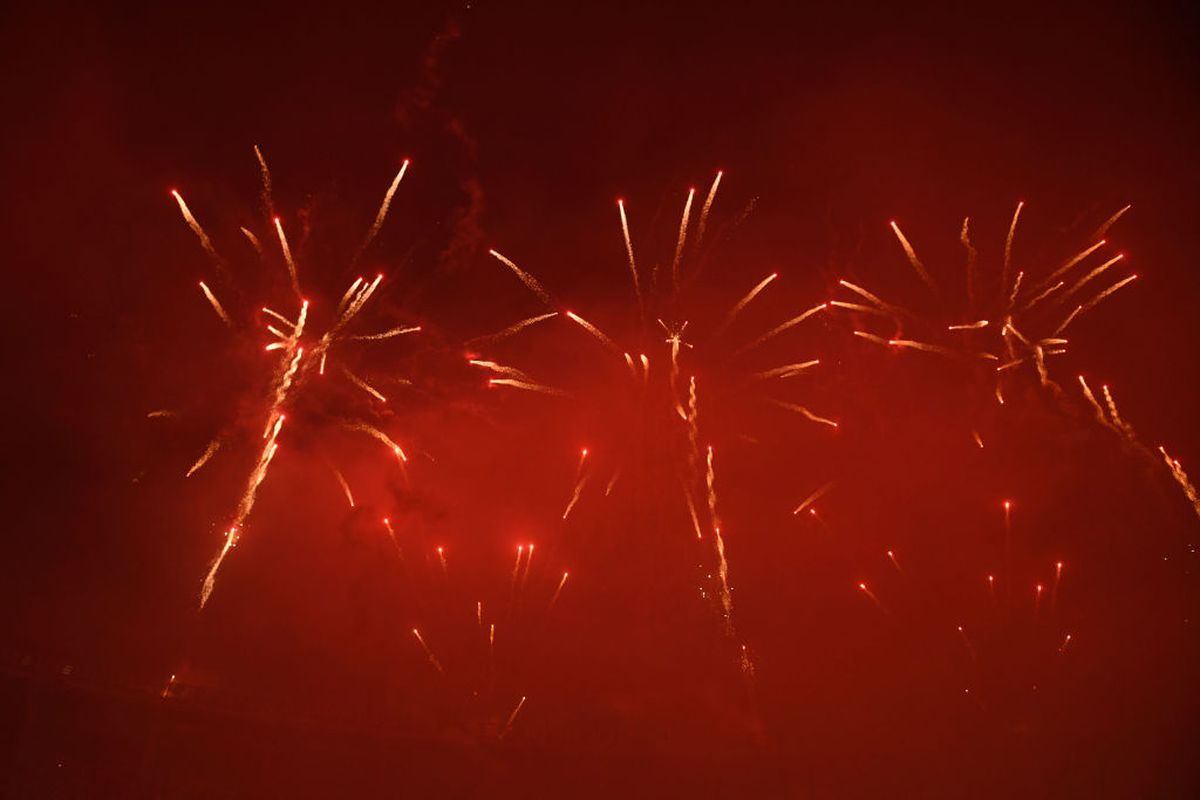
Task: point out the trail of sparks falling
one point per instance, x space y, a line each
291 355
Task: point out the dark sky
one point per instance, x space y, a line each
524 121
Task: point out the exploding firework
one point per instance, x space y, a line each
1001 322
305 345
648 379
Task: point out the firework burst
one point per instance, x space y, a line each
303 344
1001 323
645 378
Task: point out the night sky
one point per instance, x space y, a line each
524 123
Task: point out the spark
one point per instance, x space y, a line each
512 718
637 286
366 387
814 497
388 334
1180 476
778 329
208 453
912 255
746 300
429 653
527 279
216 305
515 328
683 226
383 210
287 257
441 553
892 557
708 201
969 326
593 330
804 412
205 242
528 386
558 591
1008 245
345 486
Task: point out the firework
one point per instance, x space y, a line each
293 355
998 328
659 385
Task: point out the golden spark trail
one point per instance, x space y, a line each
429 653
517 567
512 718
785 371
527 279
160 414
870 337
1042 296
558 591
1071 262
805 413
1094 273
205 242
268 198
283 385
287 257
1070 318
925 346
969 326
593 330
366 387
814 497
912 255
387 523
388 334
687 495
964 238
257 245
778 329
208 453
892 557
527 386
382 214
379 435
683 226
1108 223
441 551
514 328
1008 244
1105 294
1181 477
722 563
637 286
708 201
498 369
579 484
745 301
1058 568
860 308
216 305
345 486
1091 398
880 304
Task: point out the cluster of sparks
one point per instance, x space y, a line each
297 356
656 358
1001 326
1002 322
